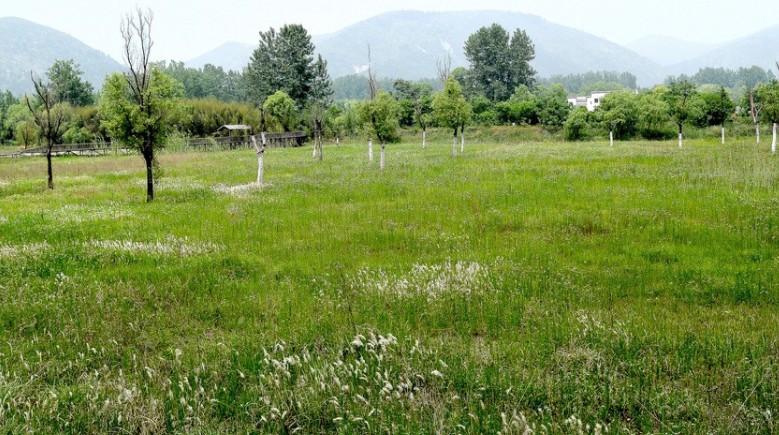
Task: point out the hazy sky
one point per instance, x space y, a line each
184 29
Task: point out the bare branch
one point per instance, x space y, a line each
444 68
136 34
373 83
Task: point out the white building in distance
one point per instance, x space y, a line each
591 103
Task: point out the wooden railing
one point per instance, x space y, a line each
293 139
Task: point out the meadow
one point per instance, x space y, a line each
521 287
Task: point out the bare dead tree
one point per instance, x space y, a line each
444 68
136 34
50 116
373 83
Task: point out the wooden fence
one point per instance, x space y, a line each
294 139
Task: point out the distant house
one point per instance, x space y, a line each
591 103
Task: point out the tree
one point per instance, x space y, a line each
683 104
718 107
553 107
7 100
319 99
423 112
499 64
283 61
140 106
67 86
653 112
50 116
575 127
281 108
769 95
379 117
450 109
619 114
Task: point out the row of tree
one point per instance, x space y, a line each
680 103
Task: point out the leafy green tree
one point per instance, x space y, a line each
499 64
553 107
379 117
683 104
21 125
619 114
6 101
450 108
283 61
140 106
575 127
484 112
67 86
769 95
717 108
281 108
653 112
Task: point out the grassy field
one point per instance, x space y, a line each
561 288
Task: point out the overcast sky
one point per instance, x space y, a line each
184 29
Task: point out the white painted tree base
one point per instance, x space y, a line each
370 150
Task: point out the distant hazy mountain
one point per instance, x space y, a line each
26 46
230 56
408 44
761 48
667 51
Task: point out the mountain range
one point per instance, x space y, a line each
26 46
409 45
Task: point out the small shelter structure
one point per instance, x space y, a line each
237 134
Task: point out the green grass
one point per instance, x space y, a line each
566 288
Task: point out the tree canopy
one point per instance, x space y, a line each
499 63
450 109
67 86
284 61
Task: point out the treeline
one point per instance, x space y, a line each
665 110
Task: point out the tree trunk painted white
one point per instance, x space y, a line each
723 135
611 138
260 158
370 150
462 143
315 149
424 138
337 141
773 142
381 157
681 140
757 133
